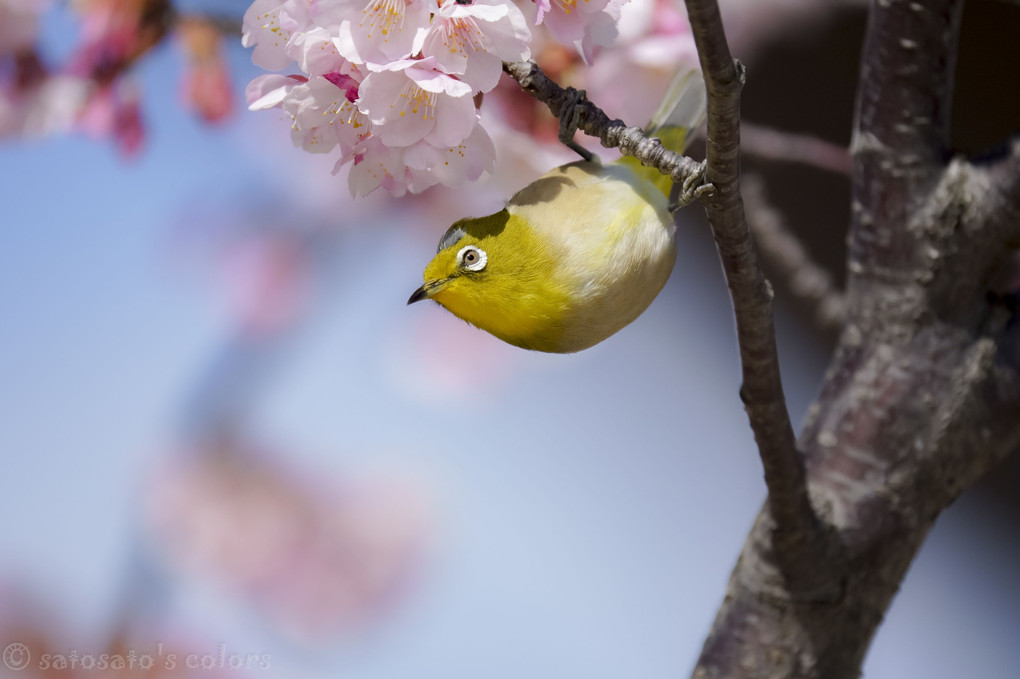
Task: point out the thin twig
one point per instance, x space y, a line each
593 121
228 26
798 543
789 147
805 278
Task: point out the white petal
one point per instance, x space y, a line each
400 110
455 117
444 51
510 39
268 91
478 11
432 80
261 29
483 71
344 43
315 51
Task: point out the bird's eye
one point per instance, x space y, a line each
472 258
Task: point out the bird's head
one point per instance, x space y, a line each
461 265
496 273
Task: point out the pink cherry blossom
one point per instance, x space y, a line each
262 30
393 83
269 90
584 23
325 115
655 40
321 109
114 35
115 111
655 33
383 31
601 31
455 165
50 107
318 558
315 52
376 165
19 24
206 88
409 100
472 41
299 15
414 168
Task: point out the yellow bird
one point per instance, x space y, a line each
576 255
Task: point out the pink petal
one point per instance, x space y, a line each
345 82
432 80
455 117
269 91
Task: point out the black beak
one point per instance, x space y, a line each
419 294
425 291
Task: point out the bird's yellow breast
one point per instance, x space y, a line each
615 241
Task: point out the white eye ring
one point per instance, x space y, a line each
472 258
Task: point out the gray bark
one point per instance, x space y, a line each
922 395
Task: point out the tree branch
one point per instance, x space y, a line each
900 137
798 540
788 147
227 25
806 279
593 121
915 404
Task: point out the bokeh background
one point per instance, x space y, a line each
222 432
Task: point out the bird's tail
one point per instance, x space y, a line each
680 113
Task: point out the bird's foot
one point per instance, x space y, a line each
570 120
691 189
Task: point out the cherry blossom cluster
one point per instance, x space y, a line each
92 90
395 84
